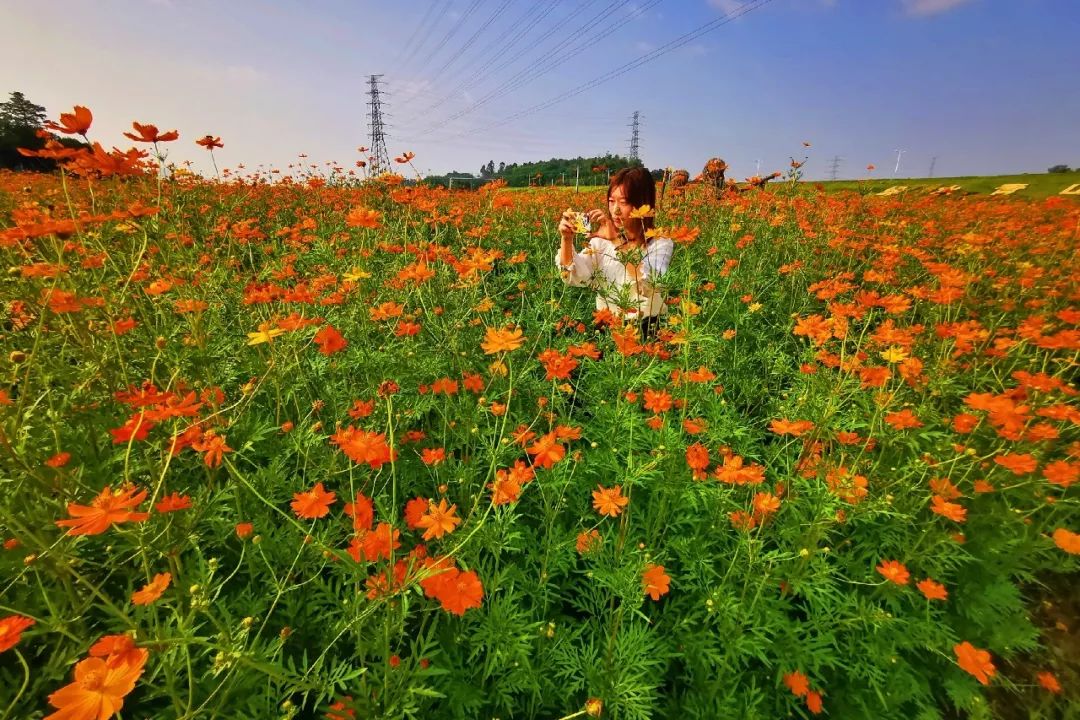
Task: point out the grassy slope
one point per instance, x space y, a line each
1040 185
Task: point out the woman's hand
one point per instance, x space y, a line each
567 225
602 225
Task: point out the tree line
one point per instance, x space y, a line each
556 171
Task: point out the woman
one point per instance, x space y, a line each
620 261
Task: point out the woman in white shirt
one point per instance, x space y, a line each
619 261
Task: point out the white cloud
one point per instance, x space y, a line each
923 8
726 6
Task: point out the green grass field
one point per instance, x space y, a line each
1040 185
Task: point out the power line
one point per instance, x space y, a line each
427 33
453 31
416 30
527 23
524 77
523 22
468 43
622 69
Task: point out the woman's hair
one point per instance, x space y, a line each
638 188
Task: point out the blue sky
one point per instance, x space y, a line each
986 86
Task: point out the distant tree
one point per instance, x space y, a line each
1059 169
20 112
502 168
20 120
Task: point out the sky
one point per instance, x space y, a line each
969 87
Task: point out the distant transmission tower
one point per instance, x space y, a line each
380 159
933 162
834 167
634 137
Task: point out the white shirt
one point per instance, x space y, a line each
598 265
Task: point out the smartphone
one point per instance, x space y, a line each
582 224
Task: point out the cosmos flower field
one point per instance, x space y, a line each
328 448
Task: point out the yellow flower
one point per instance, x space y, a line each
894 355
266 333
644 211
355 274
498 368
754 307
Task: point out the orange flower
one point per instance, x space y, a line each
98 691
932 589
587 541
152 590
244 530
76 122
150 134
11 629
654 581
118 649
547 451
360 217
1017 463
414 510
975 661
362 512
950 510
456 591
813 702
609 501
791 427
210 142
557 365
107 508
894 571
433 456
330 340
1067 541
626 340
505 489
405 157
697 458
379 543
695 426
439 520
364 446
1049 682
313 503
213 448
765 504
657 401
172 503
499 340
61 459
903 419
797 683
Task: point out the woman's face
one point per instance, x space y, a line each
619 207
